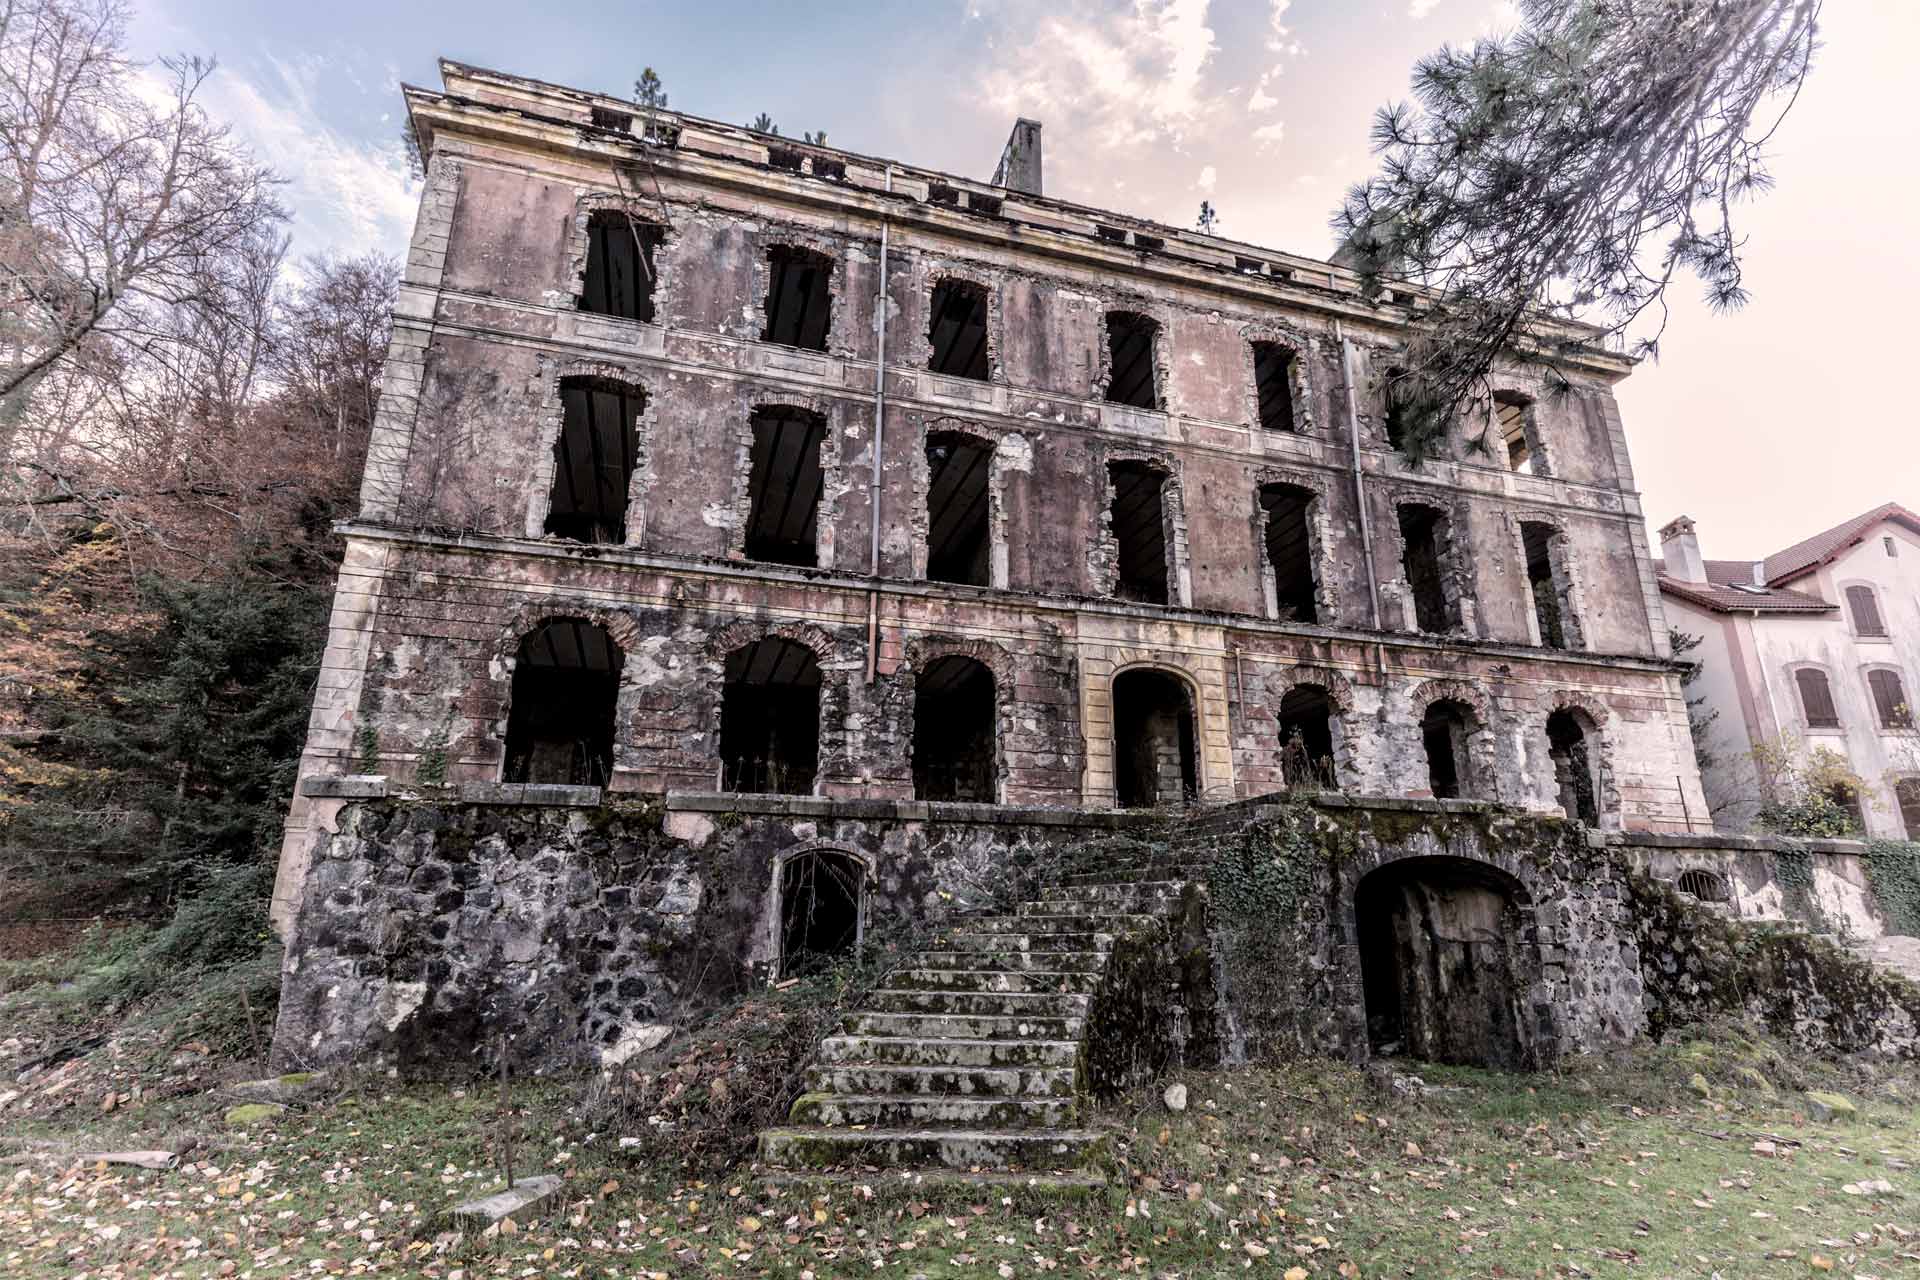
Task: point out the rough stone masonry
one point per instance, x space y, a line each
717 470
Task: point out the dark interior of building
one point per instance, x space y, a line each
1423 535
959 534
1153 740
566 686
959 330
1443 731
620 256
799 302
1140 530
594 459
784 486
954 757
1538 541
1306 737
1290 549
819 910
1133 379
1273 385
1573 766
770 718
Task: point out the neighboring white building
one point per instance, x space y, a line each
1817 645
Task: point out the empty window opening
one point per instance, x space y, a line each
959 527
799 306
1816 698
608 118
1865 608
1546 580
985 206
1140 530
1425 548
820 910
1399 411
770 718
1703 885
958 330
1513 416
1153 740
784 486
1307 738
1444 731
1889 699
836 170
1114 234
1443 963
1290 549
1575 779
566 683
594 459
1907 792
941 193
784 158
954 755
1148 244
1273 382
1132 378
620 265
1249 266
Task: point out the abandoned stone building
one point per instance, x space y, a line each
750 523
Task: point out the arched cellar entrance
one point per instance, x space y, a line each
954 755
770 718
1445 959
1576 777
566 683
1153 740
821 916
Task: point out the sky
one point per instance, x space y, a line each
1765 425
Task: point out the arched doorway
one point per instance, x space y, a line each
1307 738
1576 775
955 755
1445 958
560 714
1153 740
821 918
770 718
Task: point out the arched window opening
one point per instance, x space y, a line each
958 330
1139 530
1513 418
1575 775
1889 699
566 686
821 916
1133 378
1907 793
959 523
954 739
770 718
784 486
1443 963
1816 698
1865 608
1425 552
620 265
1307 738
1550 584
1273 385
1703 885
594 459
799 303
1444 731
1153 740
1290 549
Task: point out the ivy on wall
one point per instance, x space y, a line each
1893 872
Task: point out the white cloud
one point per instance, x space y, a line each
1421 8
1261 100
348 195
1270 135
1209 176
1276 13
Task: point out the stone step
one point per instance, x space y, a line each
988 980
1074 1186
1012 960
925 1111
925 1052
986 1082
964 1026
1046 925
1129 906
974 941
1048 1149
1159 869
1006 1003
1104 892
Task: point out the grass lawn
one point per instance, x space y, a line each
1610 1168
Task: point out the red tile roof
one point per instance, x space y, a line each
1722 597
1801 557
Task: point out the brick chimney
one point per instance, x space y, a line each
1681 547
1020 160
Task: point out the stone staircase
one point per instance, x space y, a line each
969 1061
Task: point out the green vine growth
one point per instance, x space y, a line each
1893 872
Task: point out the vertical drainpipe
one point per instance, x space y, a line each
879 442
1360 489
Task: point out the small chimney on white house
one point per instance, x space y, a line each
1759 573
1681 547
